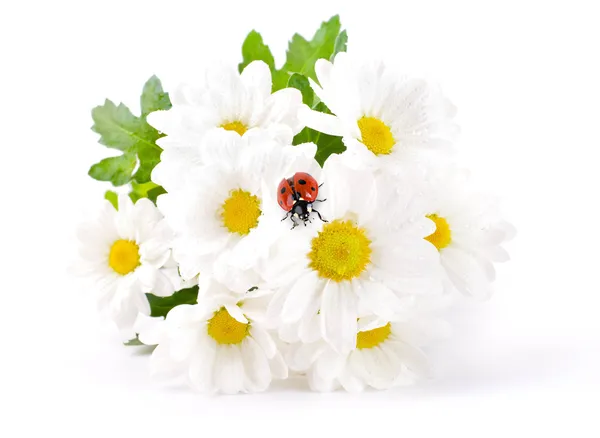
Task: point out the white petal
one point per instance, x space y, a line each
339 313
325 123
229 370
149 329
302 293
279 369
256 366
265 341
257 78
236 313
378 298
466 274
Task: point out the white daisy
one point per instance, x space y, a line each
386 354
218 345
383 118
227 216
126 254
468 233
225 102
371 255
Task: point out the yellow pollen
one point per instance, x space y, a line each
442 236
240 212
372 338
340 252
236 126
376 135
124 256
225 329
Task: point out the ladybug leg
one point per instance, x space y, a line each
320 217
286 216
294 222
320 200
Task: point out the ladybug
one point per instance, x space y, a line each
296 196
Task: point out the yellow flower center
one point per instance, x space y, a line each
240 212
236 126
340 252
124 256
442 236
376 135
372 338
225 329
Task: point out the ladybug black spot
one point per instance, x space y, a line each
280 203
301 182
282 190
312 188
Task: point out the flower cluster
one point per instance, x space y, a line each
308 220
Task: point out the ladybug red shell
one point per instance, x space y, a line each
300 187
296 196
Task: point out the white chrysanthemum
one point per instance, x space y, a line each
386 354
126 254
218 345
225 102
227 216
371 256
468 233
383 118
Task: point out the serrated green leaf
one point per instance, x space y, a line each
300 82
113 198
254 49
341 44
117 126
160 306
302 54
154 98
120 129
114 169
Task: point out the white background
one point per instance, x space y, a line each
525 78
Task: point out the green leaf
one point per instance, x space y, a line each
302 54
154 97
114 169
120 129
341 44
148 190
326 144
113 198
135 342
117 126
149 158
154 193
301 83
160 306
254 49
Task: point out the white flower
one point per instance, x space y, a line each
384 119
386 354
226 102
227 216
126 254
370 257
218 345
468 233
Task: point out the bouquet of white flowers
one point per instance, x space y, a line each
308 219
